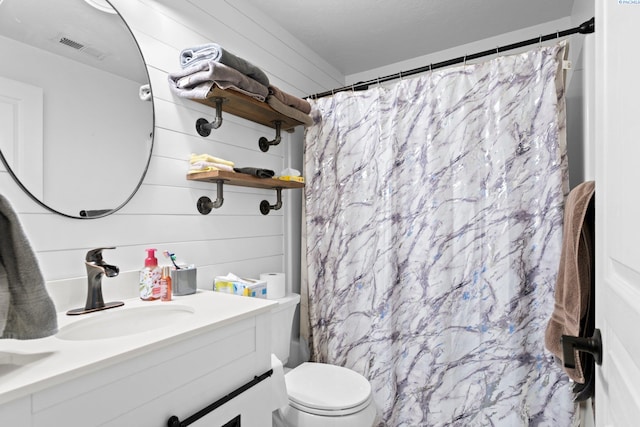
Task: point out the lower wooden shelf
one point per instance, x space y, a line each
243 180
220 178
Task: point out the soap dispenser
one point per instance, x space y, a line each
150 277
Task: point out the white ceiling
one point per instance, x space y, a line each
351 35
360 35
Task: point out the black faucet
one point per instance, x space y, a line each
96 268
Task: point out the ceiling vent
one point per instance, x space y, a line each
71 43
74 44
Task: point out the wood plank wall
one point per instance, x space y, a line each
235 238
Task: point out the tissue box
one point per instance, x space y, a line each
183 281
241 286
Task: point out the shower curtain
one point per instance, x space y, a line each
434 212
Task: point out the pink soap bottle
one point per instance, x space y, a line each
150 277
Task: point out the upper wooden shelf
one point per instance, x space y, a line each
249 108
243 179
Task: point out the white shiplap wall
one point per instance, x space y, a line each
163 213
235 237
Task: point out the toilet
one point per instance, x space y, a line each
320 395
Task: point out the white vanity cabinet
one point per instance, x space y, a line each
16 413
178 380
146 387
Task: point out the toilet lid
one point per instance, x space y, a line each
327 389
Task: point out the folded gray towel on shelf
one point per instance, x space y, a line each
26 309
290 100
294 113
214 52
197 81
260 173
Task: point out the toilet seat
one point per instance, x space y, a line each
327 390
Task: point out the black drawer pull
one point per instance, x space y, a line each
174 421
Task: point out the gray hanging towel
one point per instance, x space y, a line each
574 282
26 309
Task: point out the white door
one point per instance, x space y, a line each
21 133
617 130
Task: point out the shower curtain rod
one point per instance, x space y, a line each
586 27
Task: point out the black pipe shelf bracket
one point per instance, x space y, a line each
205 205
264 143
203 126
266 207
221 178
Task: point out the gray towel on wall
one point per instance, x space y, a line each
214 52
197 81
26 309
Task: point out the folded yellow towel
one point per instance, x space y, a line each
209 158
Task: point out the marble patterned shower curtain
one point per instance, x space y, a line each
434 213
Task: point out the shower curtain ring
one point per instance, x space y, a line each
400 75
540 41
464 61
378 79
557 34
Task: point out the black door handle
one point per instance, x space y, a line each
591 345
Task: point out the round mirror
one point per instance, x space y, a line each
76 114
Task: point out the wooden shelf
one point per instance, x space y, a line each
244 106
243 180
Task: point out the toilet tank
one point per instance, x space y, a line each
281 324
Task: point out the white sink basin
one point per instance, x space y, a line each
124 321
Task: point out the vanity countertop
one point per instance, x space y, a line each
28 366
